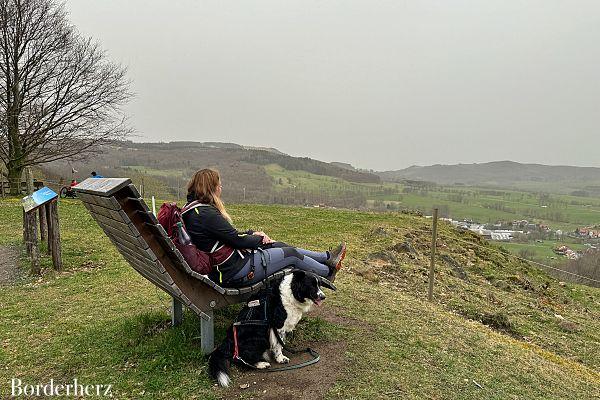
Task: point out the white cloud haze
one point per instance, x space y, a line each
379 84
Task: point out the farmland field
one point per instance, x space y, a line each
485 205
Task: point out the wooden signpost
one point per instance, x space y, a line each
44 203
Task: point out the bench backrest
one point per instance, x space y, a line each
119 210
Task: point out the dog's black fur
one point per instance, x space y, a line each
255 342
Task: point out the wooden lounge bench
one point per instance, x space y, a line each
117 207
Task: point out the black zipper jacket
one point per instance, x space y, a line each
206 226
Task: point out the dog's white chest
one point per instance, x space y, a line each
293 308
291 321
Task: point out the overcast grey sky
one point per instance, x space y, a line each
379 84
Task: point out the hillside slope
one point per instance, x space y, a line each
172 164
505 174
498 328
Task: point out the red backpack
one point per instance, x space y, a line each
168 216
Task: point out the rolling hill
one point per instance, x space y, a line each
164 168
508 174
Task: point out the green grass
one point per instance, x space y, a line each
542 252
103 323
152 171
477 203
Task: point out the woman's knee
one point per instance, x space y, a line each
292 252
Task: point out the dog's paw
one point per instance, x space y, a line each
262 365
266 356
281 359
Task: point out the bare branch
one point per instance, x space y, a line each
60 97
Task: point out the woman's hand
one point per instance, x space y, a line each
265 239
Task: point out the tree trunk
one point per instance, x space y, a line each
14 178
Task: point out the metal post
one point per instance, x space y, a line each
207 333
433 248
176 312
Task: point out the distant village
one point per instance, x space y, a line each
524 230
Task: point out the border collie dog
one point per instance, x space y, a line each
257 345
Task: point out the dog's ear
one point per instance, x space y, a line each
299 274
326 283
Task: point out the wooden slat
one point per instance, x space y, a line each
106 202
133 191
150 275
136 241
166 288
86 198
148 253
144 271
148 215
147 271
126 228
244 290
139 203
198 311
154 265
140 257
118 215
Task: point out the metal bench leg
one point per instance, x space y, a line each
176 312
207 333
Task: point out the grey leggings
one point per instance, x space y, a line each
280 258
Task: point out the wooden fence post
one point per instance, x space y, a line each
43 224
54 235
33 238
30 238
49 223
433 248
26 233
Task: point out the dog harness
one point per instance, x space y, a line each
257 314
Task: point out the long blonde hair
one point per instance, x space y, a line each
204 185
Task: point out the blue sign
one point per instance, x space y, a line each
38 198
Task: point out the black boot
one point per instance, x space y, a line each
334 262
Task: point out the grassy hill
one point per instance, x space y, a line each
262 175
498 328
165 168
508 174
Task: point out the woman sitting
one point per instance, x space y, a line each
209 226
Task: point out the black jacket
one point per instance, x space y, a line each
206 226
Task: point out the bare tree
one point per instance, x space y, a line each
59 95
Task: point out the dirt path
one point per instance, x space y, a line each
9 268
311 382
